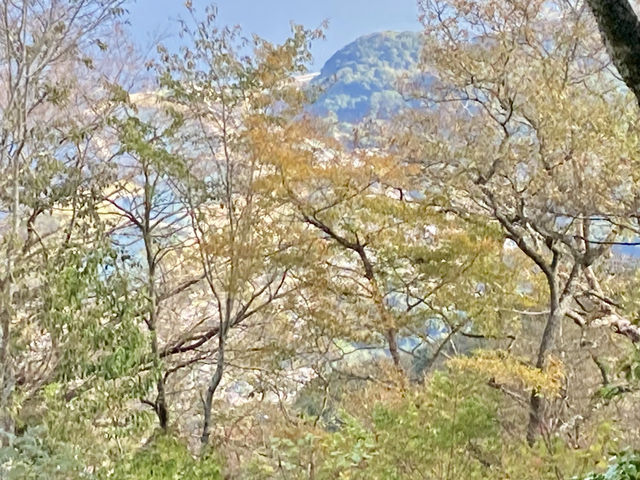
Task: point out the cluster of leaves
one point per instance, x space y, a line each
625 466
402 434
165 457
32 455
451 427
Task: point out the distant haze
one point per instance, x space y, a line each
348 19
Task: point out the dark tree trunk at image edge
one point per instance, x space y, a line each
620 30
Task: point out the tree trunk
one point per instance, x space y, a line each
161 406
7 376
7 380
211 390
388 321
620 31
161 398
536 403
392 340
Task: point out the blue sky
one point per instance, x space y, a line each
348 19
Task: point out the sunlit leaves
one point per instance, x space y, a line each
504 369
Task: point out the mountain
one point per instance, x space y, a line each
361 79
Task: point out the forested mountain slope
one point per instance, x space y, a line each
364 77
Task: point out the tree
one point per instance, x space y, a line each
233 107
521 86
45 145
398 264
150 225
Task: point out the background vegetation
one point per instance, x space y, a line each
210 269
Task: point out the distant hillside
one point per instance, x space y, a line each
361 79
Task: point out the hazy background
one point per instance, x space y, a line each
348 19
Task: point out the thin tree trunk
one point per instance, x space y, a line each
160 403
392 340
7 380
537 404
161 398
216 378
391 333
